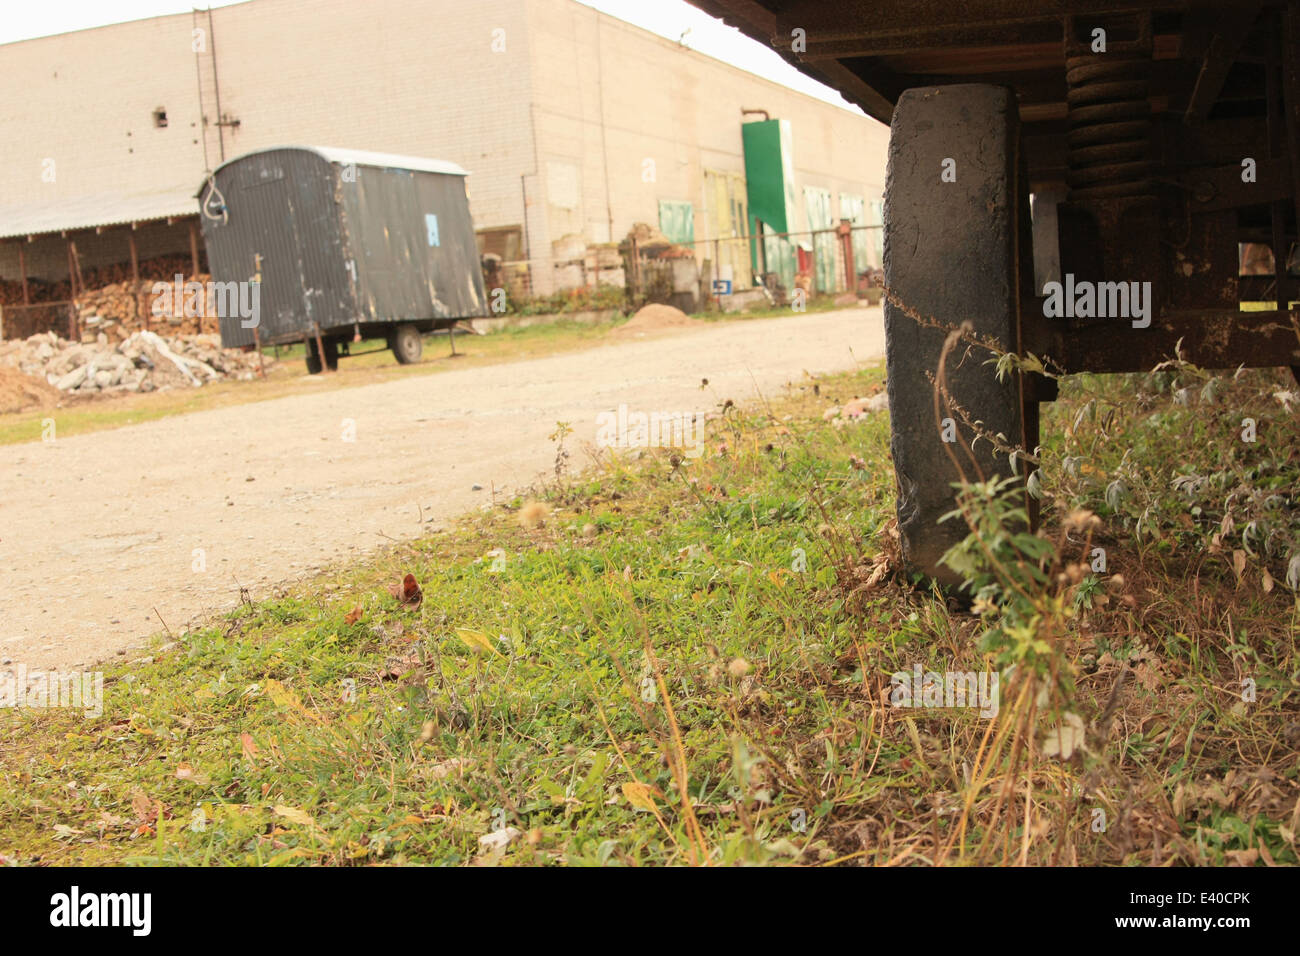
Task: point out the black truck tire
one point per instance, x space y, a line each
955 251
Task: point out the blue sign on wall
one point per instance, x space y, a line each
722 287
431 224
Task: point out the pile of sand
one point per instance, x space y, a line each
654 318
19 392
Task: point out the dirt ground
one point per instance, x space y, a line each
19 392
103 533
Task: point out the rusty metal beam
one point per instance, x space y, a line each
1221 187
1229 32
759 23
1291 96
966 42
863 92
1210 339
893 17
1026 58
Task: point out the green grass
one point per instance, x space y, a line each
688 662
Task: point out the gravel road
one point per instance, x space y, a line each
99 530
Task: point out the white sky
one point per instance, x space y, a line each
669 18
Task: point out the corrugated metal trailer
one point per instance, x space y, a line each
342 244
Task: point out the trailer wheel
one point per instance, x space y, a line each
407 344
957 249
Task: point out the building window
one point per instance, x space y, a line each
160 118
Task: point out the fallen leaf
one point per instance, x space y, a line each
640 795
248 746
408 593
283 697
187 773
294 815
477 640
1063 739
354 615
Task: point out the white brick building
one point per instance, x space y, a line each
573 125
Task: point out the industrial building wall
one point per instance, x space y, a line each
424 77
78 113
571 123
419 77
668 116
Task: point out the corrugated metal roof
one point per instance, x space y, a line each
87 212
365 157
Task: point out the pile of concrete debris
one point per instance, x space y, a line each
143 362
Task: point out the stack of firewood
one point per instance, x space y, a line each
157 269
119 309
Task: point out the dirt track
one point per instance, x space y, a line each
98 530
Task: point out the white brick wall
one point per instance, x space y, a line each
414 76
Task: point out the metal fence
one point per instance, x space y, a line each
692 273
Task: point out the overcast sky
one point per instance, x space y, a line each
674 19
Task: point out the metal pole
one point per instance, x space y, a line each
194 272
850 267
135 279
22 272
257 341
216 85
320 348
717 269
74 333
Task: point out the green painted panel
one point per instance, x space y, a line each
878 218
818 204
677 221
769 172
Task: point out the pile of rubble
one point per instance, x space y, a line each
143 362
